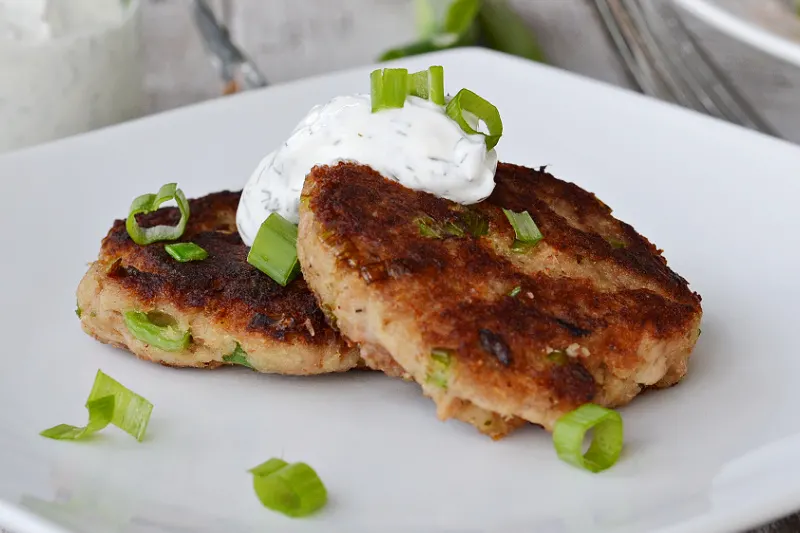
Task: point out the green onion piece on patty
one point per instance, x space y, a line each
428 84
465 105
237 357
525 229
389 88
101 412
292 489
439 368
184 252
164 337
150 202
109 402
606 445
274 250
516 290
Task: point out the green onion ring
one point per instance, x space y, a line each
148 203
467 101
606 445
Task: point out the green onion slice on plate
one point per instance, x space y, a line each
109 402
526 231
466 106
148 203
389 88
184 252
428 84
292 489
131 411
606 445
101 412
146 328
274 250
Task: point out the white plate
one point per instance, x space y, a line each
768 25
720 451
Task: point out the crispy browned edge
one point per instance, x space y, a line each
224 286
369 223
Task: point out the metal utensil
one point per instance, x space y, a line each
235 68
666 61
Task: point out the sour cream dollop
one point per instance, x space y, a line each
417 145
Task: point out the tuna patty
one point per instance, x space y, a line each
495 336
222 300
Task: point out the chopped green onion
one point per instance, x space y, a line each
274 250
389 88
109 402
164 337
439 368
606 445
292 489
475 223
237 357
558 357
467 101
468 222
184 252
101 412
525 229
616 243
460 16
427 228
131 411
150 202
428 84
516 290
78 310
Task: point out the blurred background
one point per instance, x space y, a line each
671 49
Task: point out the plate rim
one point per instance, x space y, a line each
30 522
742 30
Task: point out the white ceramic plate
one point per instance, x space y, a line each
769 25
718 452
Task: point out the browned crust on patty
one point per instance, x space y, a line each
235 301
625 318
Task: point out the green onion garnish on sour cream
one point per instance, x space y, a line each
405 129
390 87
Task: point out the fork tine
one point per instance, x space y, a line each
709 76
682 92
630 51
665 60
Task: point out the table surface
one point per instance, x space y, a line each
291 39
